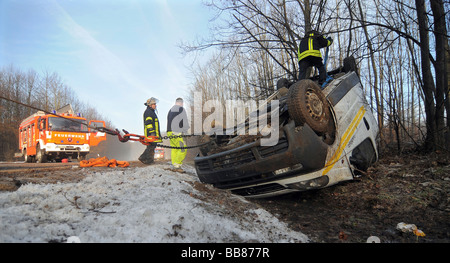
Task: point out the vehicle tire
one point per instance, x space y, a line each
282 83
349 64
40 155
81 157
307 104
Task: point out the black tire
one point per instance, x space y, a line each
81 157
40 155
307 104
349 64
282 83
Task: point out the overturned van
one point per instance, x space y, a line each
325 137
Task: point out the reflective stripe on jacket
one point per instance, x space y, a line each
309 46
151 123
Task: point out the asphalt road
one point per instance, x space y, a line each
13 167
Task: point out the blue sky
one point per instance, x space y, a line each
115 54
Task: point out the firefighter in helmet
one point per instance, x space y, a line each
151 128
309 55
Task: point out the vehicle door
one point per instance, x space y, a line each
96 136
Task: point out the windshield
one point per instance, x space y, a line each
61 124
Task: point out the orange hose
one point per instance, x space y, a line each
103 162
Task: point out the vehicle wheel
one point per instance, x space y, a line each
282 83
81 157
349 64
40 155
307 104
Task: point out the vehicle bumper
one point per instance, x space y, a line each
66 148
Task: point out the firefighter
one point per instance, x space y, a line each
309 55
177 124
151 128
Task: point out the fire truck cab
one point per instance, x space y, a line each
47 137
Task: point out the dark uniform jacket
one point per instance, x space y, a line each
309 46
177 120
151 123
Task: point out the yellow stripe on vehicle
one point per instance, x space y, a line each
344 140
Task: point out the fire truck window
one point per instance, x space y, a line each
61 124
84 127
97 124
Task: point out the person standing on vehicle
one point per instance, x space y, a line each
309 55
177 124
151 128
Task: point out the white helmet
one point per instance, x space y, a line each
151 101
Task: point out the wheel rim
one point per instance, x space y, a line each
307 104
314 105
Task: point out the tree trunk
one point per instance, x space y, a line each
375 74
306 8
442 102
428 84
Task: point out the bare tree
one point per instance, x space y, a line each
390 40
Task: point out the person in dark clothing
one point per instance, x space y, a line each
177 124
309 55
151 128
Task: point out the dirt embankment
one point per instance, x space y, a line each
413 189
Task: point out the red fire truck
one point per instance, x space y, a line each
46 137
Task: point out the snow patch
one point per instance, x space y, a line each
146 204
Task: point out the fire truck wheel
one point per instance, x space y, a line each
81 157
40 155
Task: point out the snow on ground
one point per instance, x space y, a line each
141 204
